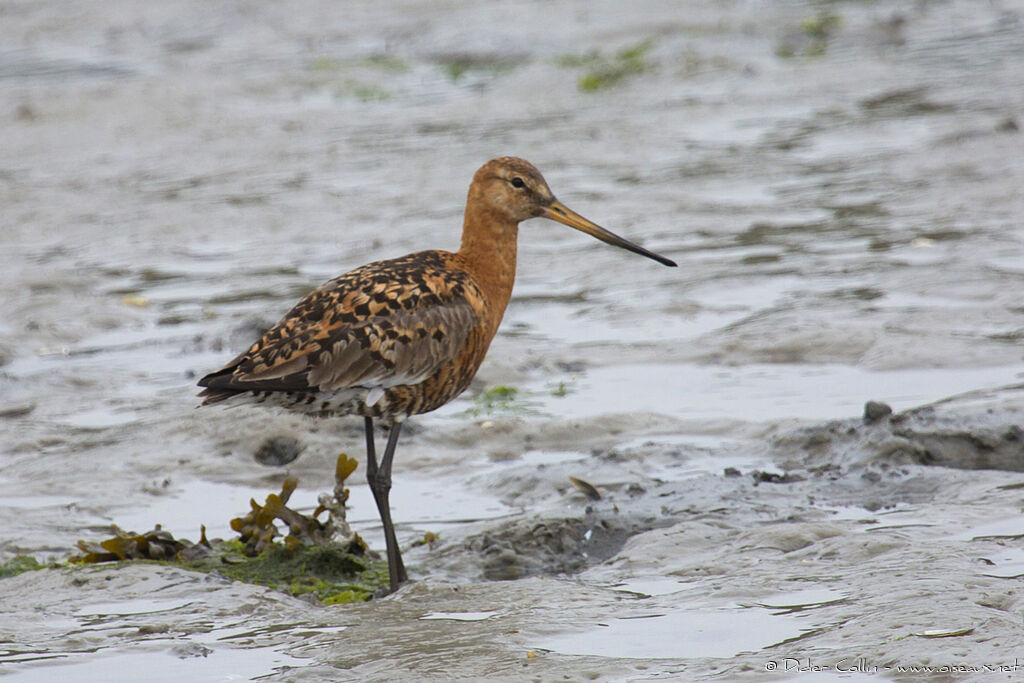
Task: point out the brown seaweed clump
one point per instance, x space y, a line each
155 544
258 529
323 558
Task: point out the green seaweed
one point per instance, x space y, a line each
602 71
364 92
324 63
19 564
332 574
387 63
499 393
499 399
560 390
458 65
334 74
821 26
382 62
817 30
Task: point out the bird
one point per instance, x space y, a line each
403 336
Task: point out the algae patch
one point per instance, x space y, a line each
604 71
812 39
502 400
457 65
19 564
331 574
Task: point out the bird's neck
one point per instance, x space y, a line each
489 252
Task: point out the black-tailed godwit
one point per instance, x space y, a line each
403 336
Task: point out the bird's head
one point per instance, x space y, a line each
514 189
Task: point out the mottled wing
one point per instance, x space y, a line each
389 323
405 347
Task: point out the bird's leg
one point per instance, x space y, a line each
371 451
384 476
379 480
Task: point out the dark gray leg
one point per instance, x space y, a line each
379 480
371 452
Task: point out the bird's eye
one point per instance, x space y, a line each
518 183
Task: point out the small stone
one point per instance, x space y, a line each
732 472
190 650
25 112
871 476
1008 125
277 451
17 410
774 477
876 410
635 489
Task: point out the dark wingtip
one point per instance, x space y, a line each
221 379
216 387
211 396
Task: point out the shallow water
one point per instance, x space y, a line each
212 504
221 665
839 183
767 391
679 635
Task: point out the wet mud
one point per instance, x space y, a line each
952 433
798 455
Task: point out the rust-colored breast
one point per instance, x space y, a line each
392 338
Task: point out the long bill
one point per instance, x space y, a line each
557 211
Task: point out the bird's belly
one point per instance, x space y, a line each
394 402
450 380
348 401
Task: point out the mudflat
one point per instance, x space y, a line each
839 183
